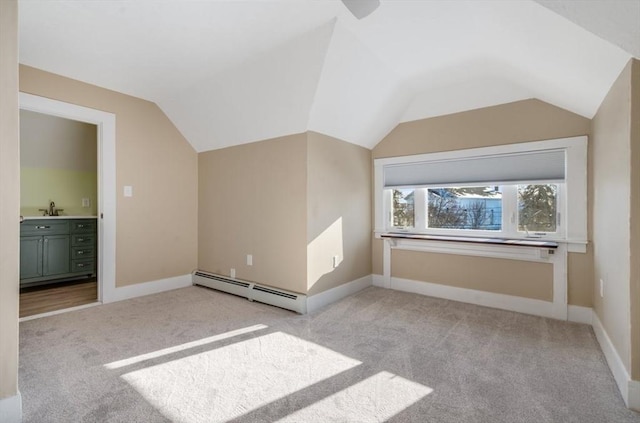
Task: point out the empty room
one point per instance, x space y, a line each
319 211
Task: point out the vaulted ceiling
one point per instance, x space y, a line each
233 72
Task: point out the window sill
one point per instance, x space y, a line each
536 243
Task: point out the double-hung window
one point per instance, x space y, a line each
527 190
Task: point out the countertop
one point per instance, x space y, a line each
59 217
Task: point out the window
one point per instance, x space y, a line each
537 208
535 189
477 208
403 208
514 210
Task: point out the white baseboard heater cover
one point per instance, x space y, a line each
252 291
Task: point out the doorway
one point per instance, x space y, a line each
102 208
58 202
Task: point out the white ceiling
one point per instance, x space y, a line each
232 72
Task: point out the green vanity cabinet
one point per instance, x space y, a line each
30 257
55 256
56 249
83 246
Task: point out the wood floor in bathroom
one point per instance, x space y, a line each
43 299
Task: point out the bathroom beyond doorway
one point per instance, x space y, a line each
58 163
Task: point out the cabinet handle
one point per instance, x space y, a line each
80 226
42 227
80 264
80 253
80 239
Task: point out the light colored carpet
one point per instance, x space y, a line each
197 355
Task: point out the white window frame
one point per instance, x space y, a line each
509 221
560 233
571 196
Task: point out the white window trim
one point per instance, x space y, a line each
575 185
557 308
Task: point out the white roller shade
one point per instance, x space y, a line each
546 165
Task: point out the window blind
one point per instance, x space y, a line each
546 165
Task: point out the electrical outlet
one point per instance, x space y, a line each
249 260
86 202
232 273
601 288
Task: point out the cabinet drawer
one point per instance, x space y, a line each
44 227
80 240
83 266
82 252
83 226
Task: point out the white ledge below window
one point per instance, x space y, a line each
537 242
572 246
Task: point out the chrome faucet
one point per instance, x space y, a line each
52 211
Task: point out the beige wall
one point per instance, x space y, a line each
58 162
580 277
292 202
522 121
612 172
338 212
635 220
611 199
156 232
252 200
512 277
57 143
9 198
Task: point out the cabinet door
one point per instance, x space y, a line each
30 257
56 255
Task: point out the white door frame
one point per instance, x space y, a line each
106 123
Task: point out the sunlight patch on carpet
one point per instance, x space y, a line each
375 399
166 351
227 382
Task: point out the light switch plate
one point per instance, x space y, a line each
128 191
86 202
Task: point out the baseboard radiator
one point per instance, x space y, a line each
252 291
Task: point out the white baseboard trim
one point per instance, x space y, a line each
11 409
148 288
576 314
127 292
614 361
634 395
53 313
377 280
332 295
472 296
579 314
